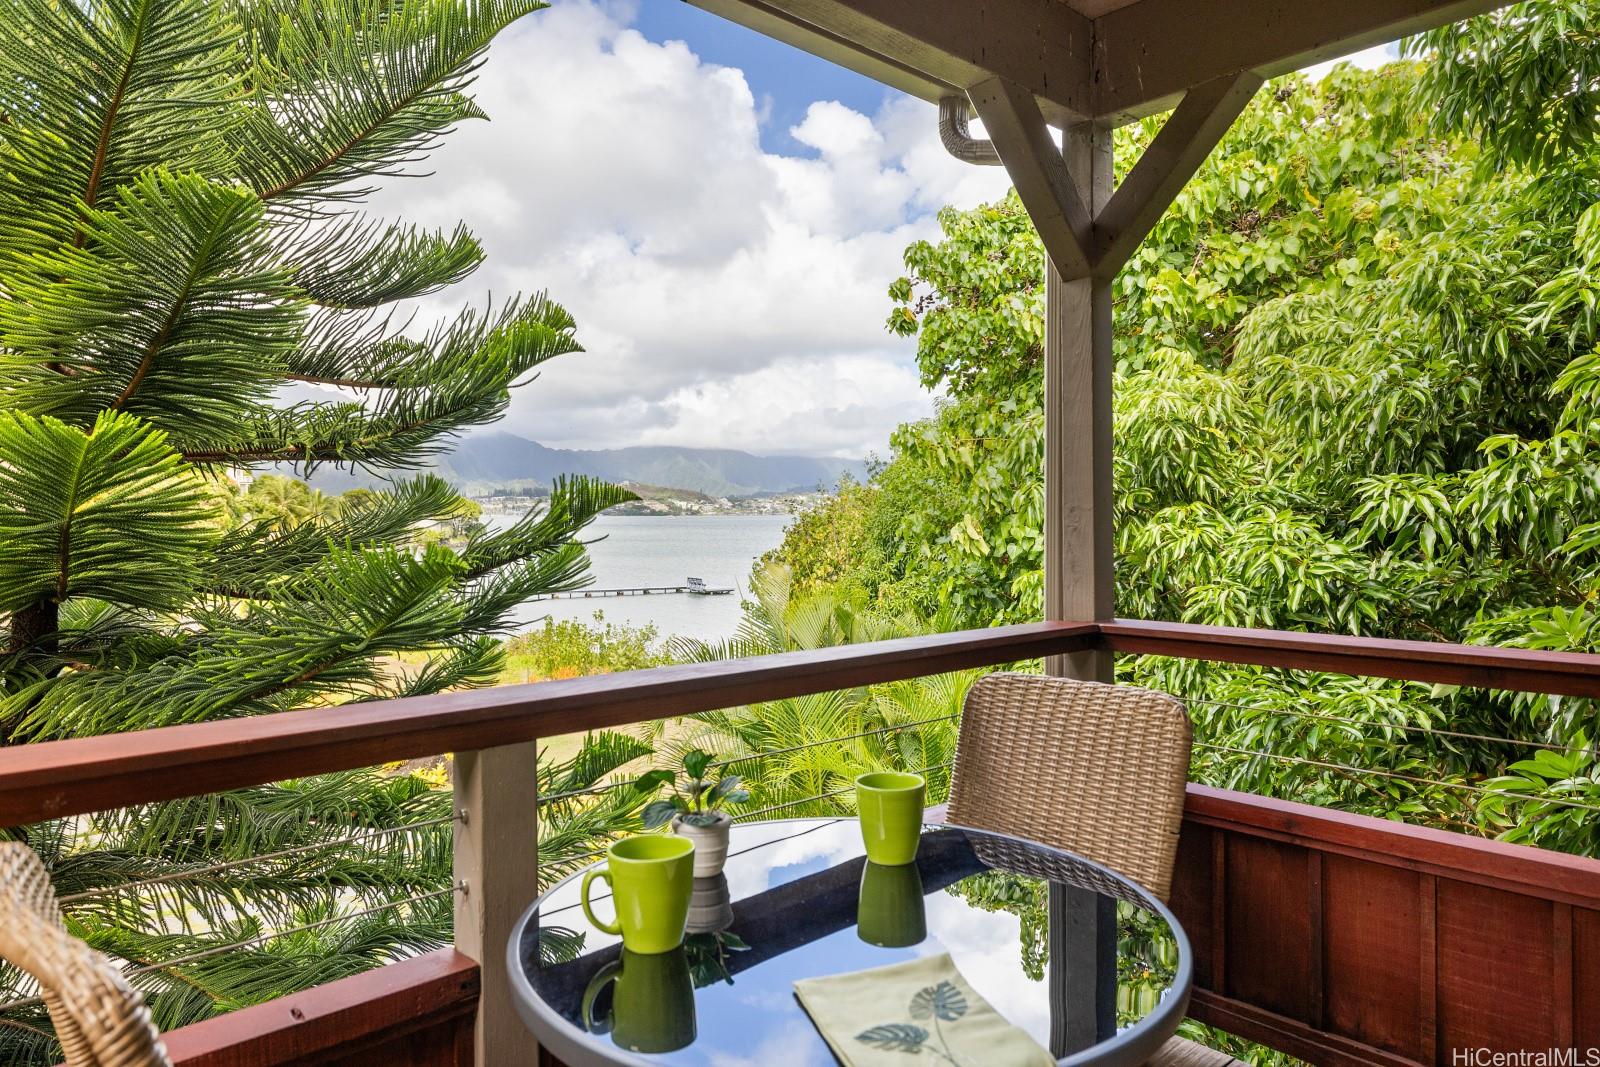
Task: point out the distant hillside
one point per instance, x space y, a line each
488 460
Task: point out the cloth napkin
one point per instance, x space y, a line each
922 1008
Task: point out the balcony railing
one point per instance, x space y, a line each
1332 936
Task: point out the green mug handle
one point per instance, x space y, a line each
608 973
599 872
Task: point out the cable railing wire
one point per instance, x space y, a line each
749 757
1538 798
226 865
832 740
1406 727
744 815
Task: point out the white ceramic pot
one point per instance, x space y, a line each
710 906
710 843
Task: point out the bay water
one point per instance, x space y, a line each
631 551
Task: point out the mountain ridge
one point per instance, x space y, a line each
502 459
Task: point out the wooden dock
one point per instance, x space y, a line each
693 587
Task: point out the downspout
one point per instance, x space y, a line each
957 141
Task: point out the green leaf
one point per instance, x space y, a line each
650 781
660 812
112 513
695 763
895 1037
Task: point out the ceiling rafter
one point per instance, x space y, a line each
932 48
1150 52
1127 61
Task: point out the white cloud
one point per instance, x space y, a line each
1366 59
726 296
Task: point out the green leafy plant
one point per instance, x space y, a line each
708 956
698 798
186 266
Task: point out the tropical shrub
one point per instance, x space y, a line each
801 755
1356 390
569 648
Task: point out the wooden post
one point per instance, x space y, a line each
497 873
1082 924
1077 425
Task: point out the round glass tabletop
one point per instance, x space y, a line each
1082 959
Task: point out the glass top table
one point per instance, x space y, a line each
1084 960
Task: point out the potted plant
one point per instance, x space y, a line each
695 808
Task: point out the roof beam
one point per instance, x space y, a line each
1148 53
1039 171
931 48
1079 241
1201 119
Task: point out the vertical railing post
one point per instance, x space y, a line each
1078 582
497 877
1077 425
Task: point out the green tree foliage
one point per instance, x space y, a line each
1525 80
1356 390
284 503
820 743
181 235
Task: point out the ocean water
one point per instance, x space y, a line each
641 550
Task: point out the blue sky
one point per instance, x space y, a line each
722 214
785 80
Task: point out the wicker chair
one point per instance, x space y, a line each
1097 769
99 1019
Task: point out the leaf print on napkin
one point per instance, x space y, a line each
895 1037
941 1003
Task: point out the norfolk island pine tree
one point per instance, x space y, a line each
182 234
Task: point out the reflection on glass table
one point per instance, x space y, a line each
1081 959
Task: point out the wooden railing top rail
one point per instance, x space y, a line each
1478 666
374 1012
60 778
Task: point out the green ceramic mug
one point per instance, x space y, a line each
890 805
652 1008
651 878
891 912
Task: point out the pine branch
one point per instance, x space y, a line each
96 95
456 377
110 513
254 560
309 137
174 312
356 263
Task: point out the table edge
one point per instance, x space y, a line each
1130 1048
